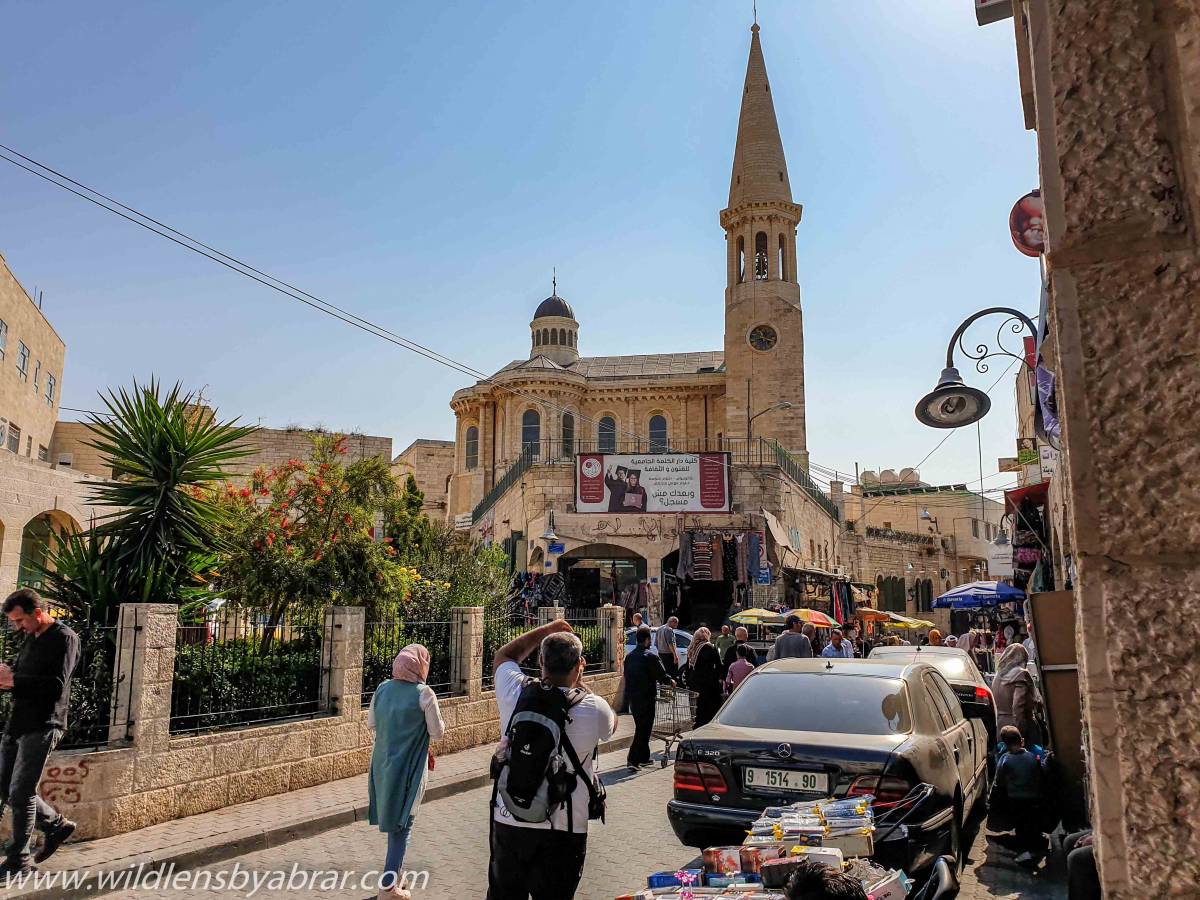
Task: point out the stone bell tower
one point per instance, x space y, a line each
764 328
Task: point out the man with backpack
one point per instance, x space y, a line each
545 787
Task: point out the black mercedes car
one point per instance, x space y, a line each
798 729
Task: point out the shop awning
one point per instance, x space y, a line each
780 536
1035 492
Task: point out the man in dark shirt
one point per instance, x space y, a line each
40 682
643 672
740 636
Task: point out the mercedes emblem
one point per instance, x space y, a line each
783 751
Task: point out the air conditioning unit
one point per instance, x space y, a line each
837 570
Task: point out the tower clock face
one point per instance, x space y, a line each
763 337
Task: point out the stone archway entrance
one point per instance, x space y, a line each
38 540
596 574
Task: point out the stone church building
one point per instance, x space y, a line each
520 432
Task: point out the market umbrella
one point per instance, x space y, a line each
754 616
813 617
869 614
978 594
898 621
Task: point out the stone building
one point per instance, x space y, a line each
37 502
1113 91
431 463
523 434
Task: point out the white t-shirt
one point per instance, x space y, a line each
592 721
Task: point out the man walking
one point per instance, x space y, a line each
838 647
729 657
643 672
724 641
40 682
545 859
664 643
792 643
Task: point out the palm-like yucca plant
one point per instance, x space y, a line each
158 543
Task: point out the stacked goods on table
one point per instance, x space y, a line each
836 833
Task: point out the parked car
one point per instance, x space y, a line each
967 682
683 640
798 729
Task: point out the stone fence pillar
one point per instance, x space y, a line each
612 619
342 643
143 672
466 651
547 614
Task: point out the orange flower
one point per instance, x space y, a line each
270 538
348 518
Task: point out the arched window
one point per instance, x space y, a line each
537 338
471 447
741 259
760 256
925 596
562 337
606 435
782 259
553 337
545 336
574 339
531 432
568 435
658 434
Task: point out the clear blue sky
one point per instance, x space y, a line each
425 164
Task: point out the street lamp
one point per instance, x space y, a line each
548 535
782 404
952 404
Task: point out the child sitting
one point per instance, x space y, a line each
1018 787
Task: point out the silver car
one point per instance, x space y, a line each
683 640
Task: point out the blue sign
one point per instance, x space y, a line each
764 575
557 548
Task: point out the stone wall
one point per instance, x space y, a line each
155 776
431 463
1117 96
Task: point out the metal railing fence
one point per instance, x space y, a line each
384 639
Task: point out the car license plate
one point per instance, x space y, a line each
785 780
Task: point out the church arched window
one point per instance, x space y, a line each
471 447
741 259
782 259
606 434
760 256
531 432
659 442
568 434
545 336
553 337
537 339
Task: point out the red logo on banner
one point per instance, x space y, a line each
712 480
591 478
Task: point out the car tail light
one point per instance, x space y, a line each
983 695
702 778
887 790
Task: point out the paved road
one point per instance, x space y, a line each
450 842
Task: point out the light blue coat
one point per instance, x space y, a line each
396 781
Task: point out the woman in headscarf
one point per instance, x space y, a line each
405 717
935 638
1015 695
704 675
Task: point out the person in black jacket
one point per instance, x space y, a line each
40 682
704 676
740 636
643 671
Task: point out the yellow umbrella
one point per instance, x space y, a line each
753 616
813 617
868 614
899 621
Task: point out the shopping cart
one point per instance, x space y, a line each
674 713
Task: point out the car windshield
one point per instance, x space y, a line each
953 666
802 701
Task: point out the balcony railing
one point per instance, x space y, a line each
755 452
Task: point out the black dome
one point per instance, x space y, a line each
554 305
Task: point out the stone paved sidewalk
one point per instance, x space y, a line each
269 822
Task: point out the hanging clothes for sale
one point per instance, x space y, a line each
702 557
729 560
718 557
753 556
685 568
742 543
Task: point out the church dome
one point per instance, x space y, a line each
554 305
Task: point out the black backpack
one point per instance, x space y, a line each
536 769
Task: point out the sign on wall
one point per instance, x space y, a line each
1026 224
1000 560
989 11
462 521
652 483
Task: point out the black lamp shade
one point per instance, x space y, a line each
953 406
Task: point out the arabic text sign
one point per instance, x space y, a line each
652 483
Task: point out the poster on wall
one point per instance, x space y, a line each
652 483
1026 224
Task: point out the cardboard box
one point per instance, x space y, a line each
830 856
722 860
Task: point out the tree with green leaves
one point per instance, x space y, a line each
160 539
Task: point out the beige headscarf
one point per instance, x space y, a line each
411 664
1013 659
699 638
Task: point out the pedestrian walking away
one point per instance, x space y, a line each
792 643
40 683
838 647
404 717
1018 792
538 843
730 656
664 643
642 673
1015 695
740 668
704 676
